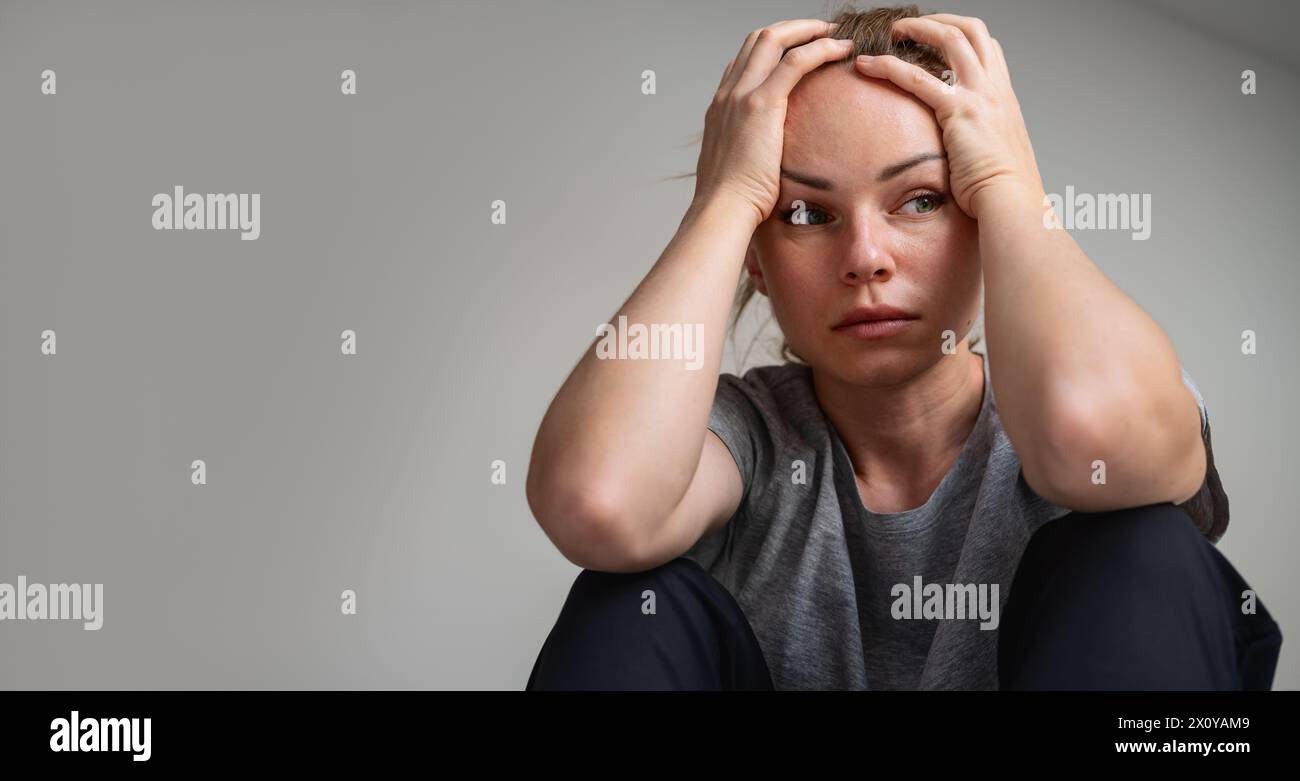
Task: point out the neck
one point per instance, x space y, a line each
903 437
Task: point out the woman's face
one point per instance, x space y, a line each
873 234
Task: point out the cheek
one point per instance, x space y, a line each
956 256
964 236
956 236
798 285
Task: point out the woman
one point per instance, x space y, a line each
893 509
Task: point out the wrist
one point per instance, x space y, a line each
1008 194
724 208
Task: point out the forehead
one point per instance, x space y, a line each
840 122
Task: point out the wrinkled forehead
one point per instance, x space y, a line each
842 124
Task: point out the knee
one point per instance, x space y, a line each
1111 572
1152 552
1133 598
634 609
599 590
664 627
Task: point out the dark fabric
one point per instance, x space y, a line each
697 638
1134 599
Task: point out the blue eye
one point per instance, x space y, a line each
934 199
809 217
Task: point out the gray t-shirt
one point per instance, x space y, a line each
821 578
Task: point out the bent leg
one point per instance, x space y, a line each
696 638
1133 599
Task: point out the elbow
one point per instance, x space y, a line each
1067 462
1094 460
588 526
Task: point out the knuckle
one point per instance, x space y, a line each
796 58
953 34
755 101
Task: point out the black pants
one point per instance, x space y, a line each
1134 599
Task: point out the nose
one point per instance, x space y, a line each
865 259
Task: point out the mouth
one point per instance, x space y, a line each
875 329
874 322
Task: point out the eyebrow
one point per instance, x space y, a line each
885 175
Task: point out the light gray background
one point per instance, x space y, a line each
372 472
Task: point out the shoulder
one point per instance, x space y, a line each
781 394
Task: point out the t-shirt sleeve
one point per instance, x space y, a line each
740 417
738 422
1209 506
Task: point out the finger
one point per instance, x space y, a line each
802 60
742 57
976 32
947 39
770 45
915 79
725 73
1002 61
733 72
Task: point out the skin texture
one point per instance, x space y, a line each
903 407
1083 376
1080 372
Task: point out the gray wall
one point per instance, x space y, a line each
371 472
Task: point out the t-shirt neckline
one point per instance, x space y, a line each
916 518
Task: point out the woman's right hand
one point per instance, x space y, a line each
744 127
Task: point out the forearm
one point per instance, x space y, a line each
1077 366
624 436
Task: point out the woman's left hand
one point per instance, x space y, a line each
984 133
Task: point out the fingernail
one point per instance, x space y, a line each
865 58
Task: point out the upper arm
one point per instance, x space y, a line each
711 499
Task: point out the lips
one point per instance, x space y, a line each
866 314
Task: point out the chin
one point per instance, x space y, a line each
870 364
